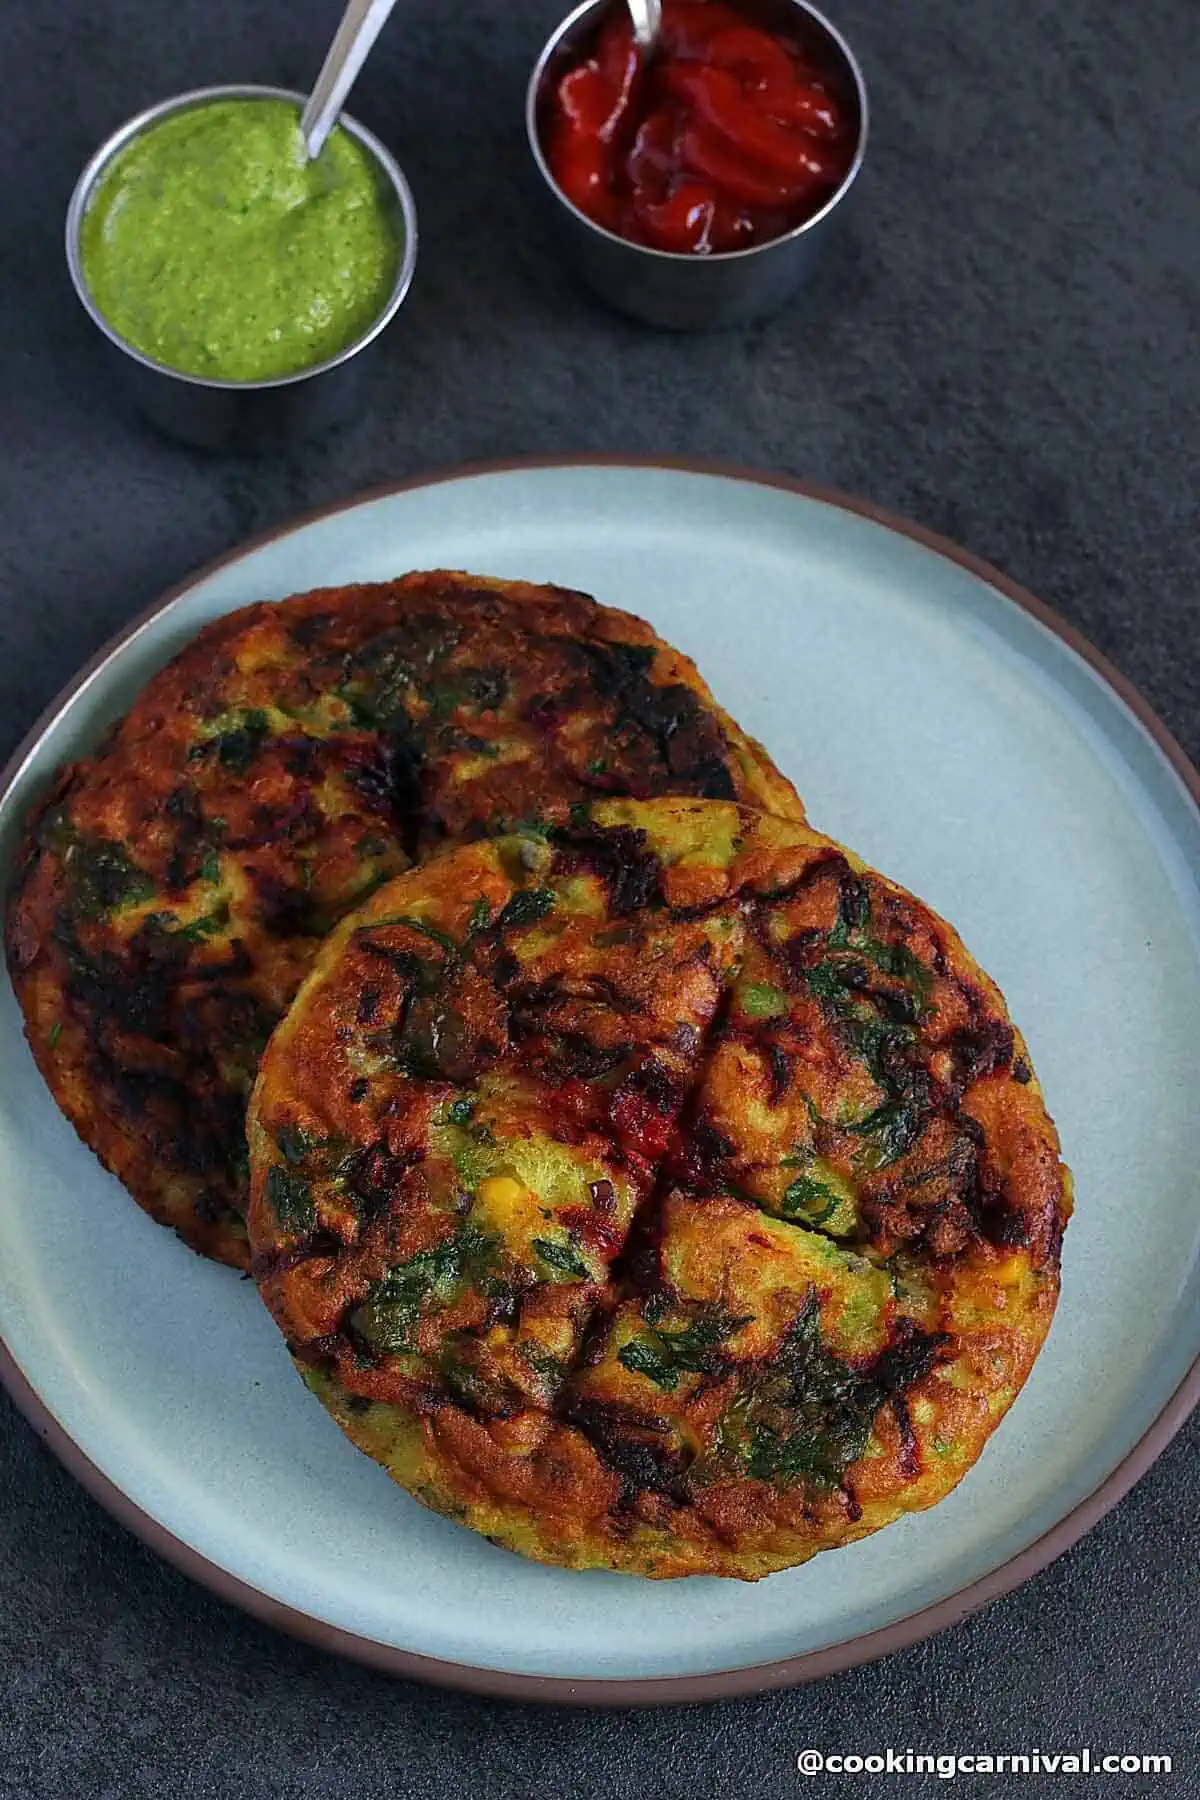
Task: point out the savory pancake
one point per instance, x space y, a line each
658 1190
175 886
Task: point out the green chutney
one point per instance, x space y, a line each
214 246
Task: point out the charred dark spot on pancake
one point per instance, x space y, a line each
523 908
1022 1072
780 1066
900 1007
296 819
303 757
1055 1225
500 964
540 1017
854 899
315 1353
158 948
545 712
186 814
940 1230
453 738
368 1010
421 974
284 910
638 1268
711 777
453 1033
104 985
630 1443
487 687
388 775
368 774
228 1019
683 735
430 1039
280 1260
590 1229
1004 1226
800 953
658 1085
571 1056
213 1207
703 1162
312 630
503 1303
594 1337
359 1088
199 1133
374 1179
980 1050
910 1358
618 854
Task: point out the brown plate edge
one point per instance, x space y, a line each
655 1690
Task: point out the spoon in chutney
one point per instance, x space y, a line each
360 25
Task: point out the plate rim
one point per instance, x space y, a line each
621 1691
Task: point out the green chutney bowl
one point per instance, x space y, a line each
244 415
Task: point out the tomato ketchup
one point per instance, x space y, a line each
726 135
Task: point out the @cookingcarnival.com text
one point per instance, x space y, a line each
947 1764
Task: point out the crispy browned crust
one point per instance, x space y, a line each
667 1192
175 886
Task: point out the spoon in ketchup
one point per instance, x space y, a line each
647 23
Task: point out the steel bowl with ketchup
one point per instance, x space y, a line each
695 186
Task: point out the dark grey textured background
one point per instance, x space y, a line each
1006 351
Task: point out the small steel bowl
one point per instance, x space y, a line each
664 287
242 415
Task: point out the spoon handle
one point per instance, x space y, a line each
361 24
647 21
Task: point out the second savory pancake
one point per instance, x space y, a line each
659 1190
176 885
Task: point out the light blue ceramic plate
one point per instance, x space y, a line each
938 722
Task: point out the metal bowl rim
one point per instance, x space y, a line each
533 94
134 127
